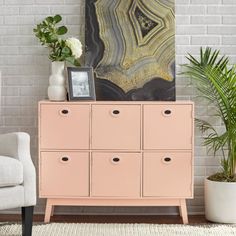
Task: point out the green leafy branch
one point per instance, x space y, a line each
49 34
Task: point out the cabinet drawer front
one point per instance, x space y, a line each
64 174
64 126
116 127
167 175
168 126
116 174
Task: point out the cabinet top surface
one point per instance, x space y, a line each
114 102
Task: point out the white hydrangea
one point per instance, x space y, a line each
76 47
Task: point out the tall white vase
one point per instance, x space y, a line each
56 88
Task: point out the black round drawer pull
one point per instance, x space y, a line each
116 159
64 111
167 112
167 159
65 159
116 112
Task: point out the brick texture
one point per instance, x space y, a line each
25 71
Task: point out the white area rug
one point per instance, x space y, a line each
60 229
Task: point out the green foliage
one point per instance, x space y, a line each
49 34
216 81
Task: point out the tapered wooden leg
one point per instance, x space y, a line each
27 220
184 212
180 211
48 211
52 211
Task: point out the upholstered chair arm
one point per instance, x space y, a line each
17 145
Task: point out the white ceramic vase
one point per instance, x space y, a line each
56 88
220 201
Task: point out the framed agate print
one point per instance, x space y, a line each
131 46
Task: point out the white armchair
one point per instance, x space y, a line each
17 177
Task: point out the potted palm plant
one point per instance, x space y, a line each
215 79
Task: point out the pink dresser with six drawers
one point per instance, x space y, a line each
116 154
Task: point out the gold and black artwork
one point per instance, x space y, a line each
131 46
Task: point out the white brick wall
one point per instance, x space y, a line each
25 70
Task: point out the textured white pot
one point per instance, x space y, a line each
56 88
220 201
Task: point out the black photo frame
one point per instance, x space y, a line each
81 83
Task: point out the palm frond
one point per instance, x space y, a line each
216 81
203 125
216 142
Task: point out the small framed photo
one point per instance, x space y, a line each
81 83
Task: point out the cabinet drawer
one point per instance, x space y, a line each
116 127
64 174
167 175
64 126
116 174
168 126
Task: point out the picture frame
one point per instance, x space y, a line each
80 83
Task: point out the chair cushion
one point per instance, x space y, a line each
11 172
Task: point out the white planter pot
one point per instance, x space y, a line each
220 201
56 89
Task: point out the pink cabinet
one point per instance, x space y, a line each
116 154
168 126
64 174
171 171
116 174
116 127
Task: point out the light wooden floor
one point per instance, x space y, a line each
110 219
